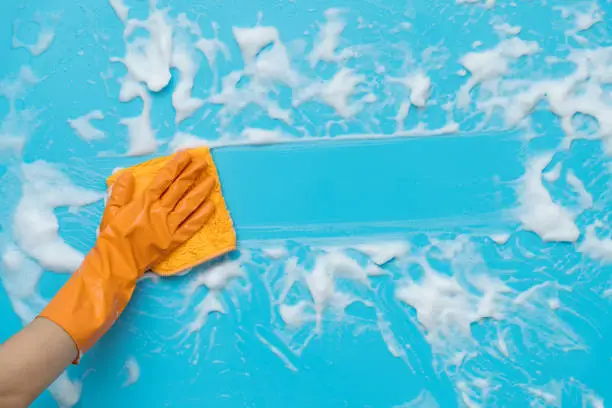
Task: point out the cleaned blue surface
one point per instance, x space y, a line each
406 187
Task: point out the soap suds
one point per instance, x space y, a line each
262 136
381 253
489 66
141 135
210 304
296 315
507 29
501 238
419 86
215 277
423 400
585 200
599 249
553 175
121 10
20 276
35 225
182 140
328 40
148 59
252 40
133 372
277 353
65 391
336 92
45 36
18 124
537 211
83 127
182 100
488 3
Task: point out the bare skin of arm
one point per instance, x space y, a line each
31 360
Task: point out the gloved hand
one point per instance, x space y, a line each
135 233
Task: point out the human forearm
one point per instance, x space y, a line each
31 360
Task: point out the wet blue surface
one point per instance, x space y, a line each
445 185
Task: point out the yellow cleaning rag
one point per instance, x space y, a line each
215 239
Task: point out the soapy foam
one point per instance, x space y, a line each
252 40
423 400
599 249
45 36
83 127
140 133
585 199
133 371
488 3
489 66
538 212
17 125
329 39
419 86
182 100
20 276
35 226
148 59
335 92
121 10
65 392
383 252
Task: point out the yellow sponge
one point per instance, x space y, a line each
215 239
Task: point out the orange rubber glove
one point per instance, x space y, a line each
135 232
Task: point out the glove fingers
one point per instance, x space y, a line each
168 174
196 220
121 193
186 180
190 202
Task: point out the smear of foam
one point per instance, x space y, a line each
489 66
507 29
419 86
264 68
141 135
148 59
585 200
121 10
277 352
538 212
336 92
599 249
20 276
447 309
383 252
18 124
45 37
215 277
133 372
210 304
262 136
487 3
212 48
182 140
253 39
182 100
83 127
35 225
423 400
328 40
65 391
